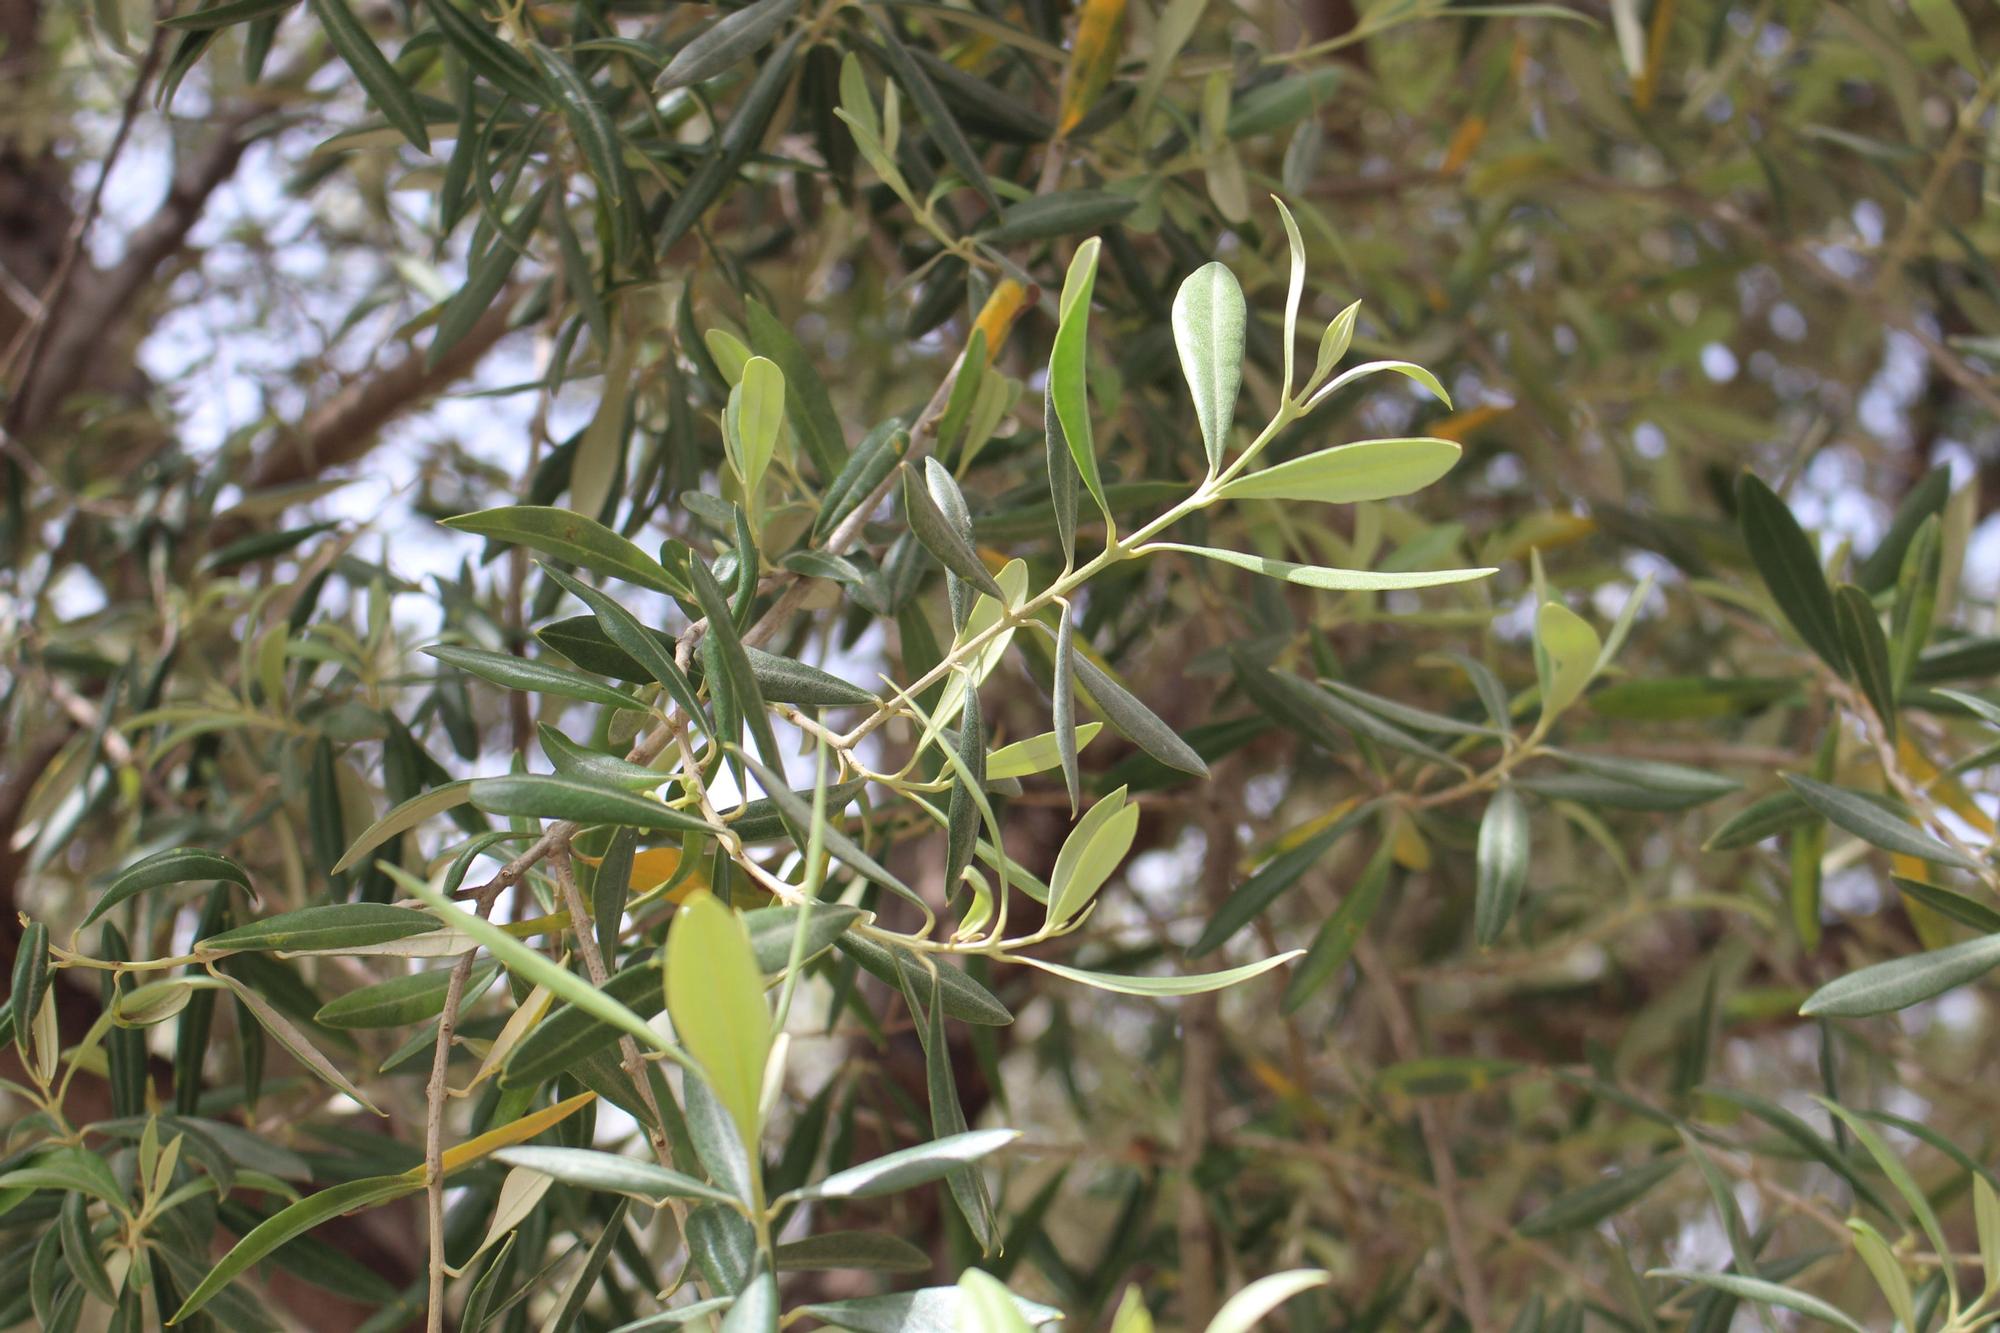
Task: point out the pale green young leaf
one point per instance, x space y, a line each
1350 473
1068 369
530 964
1243 1311
1036 754
1570 649
1898 1175
1761 1292
758 401
989 1308
715 995
1209 318
1407 369
1986 1217
1888 1274
1295 287
1093 850
1333 344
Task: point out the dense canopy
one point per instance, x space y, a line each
905 665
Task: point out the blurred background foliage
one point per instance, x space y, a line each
285 284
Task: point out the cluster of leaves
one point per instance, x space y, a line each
713 758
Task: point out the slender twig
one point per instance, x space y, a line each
1437 1143
25 352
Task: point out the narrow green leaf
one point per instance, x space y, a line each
385 87
322 929
731 38
1134 720
964 998
1789 565
1319 576
1765 817
1269 881
941 538
1898 1175
1350 473
589 1169
1069 371
1598 1200
1036 754
588 126
944 128
1199 984
1407 369
594 767
292 1221
758 405
1763 1293
522 673
402 818
1501 864
1867 820
1882 1266
1957 906
176 865
401 1001
1045 217
570 536
1867 652
1334 944
648 648
541 797
725 647
808 406
1902 982
910 1167
1063 478
852 1251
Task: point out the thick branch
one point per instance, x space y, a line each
344 428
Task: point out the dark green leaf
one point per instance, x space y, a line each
1867 820
539 797
1502 865
1789 565
522 673
177 865
333 926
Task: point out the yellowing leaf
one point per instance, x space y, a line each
1570 648
1003 306
509 1134
1091 60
